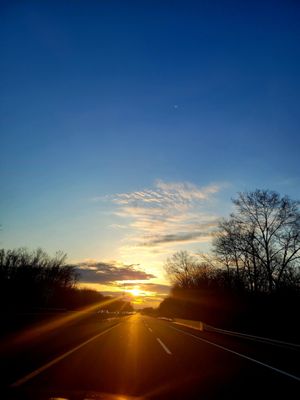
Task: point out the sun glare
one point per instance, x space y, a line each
135 292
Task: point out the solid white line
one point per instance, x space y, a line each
163 346
33 374
150 330
280 371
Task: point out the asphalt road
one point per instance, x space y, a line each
151 358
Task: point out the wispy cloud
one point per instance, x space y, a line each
153 222
167 214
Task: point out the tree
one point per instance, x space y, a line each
34 279
180 269
261 241
187 272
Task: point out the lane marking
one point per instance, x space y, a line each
164 346
280 371
150 330
36 372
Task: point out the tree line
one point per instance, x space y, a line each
253 268
32 280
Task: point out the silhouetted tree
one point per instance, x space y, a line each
187 272
261 241
252 278
180 268
34 279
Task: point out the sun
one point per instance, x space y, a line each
135 292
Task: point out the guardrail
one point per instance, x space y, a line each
252 337
201 326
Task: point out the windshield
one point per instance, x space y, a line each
150 217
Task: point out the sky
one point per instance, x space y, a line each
128 126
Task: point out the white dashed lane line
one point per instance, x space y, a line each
164 346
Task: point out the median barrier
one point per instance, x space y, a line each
199 325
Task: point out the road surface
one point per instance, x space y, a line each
152 358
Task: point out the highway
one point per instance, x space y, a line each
146 357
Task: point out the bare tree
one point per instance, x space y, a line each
261 240
187 272
180 269
33 277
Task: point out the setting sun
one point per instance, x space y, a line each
135 292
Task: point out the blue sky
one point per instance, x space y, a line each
105 98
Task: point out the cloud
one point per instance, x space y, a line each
108 273
176 193
204 234
170 213
111 293
155 287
